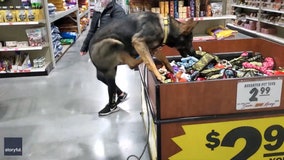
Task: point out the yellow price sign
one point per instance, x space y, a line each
254 139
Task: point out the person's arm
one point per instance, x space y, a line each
91 32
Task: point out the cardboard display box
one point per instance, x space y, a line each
175 106
211 97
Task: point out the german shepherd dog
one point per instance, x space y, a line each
135 39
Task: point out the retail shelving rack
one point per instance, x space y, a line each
16 31
264 16
200 31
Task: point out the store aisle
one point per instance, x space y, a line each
57 115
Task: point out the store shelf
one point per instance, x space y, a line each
245 7
4 49
28 72
59 55
15 31
272 10
81 15
61 14
250 18
208 18
224 17
203 38
19 23
271 23
263 20
258 34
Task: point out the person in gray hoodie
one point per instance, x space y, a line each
111 11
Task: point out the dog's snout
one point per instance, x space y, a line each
192 51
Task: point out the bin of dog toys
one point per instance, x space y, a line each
207 83
228 80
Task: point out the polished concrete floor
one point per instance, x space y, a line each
57 115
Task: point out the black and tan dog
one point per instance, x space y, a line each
136 39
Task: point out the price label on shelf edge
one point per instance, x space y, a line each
253 139
258 94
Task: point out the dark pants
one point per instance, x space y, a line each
112 87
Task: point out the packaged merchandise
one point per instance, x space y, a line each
69 35
26 3
56 37
51 9
37 36
22 44
221 32
21 14
216 8
39 62
9 14
34 14
192 8
11 44
36 4
2 13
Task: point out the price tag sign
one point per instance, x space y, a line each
254 139
259 94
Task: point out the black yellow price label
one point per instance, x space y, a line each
254 139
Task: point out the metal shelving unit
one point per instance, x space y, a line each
261 11
15 31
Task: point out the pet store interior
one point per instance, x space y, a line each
224 103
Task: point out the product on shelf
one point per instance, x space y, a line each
221 32
51 9
56 37
36 4
58 5
11 44
34 14
261 16
84 22
19 62
268 30
37 36
192 8
22 44
21 14
251 25
9 15
216 8
39 62
1 15
197 8
69 35
63 5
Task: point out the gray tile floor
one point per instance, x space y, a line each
57 115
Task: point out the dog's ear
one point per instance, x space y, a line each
188 25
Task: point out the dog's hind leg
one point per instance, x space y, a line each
130 61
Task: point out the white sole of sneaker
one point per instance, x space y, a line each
111 111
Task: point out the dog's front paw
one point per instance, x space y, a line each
161 78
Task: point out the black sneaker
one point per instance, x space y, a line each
108 110
121 98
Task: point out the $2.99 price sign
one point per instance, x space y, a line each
259 94
254 139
